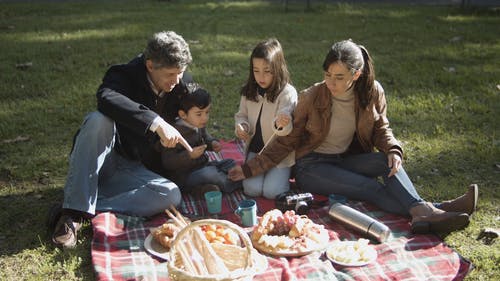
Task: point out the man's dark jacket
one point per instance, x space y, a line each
125 96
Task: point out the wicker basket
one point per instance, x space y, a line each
242 262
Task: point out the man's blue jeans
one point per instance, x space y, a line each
357 177
99 179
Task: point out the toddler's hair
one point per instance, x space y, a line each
195 96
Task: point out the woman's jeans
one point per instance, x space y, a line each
357 177
99 179
270 184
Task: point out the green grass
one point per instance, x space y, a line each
438 65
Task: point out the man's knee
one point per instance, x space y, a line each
175 197
169 193
98 122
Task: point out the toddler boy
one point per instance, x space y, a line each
192 171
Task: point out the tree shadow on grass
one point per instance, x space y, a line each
25 233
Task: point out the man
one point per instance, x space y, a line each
113 165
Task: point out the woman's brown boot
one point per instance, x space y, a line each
464 204
428 219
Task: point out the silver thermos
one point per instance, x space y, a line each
359 221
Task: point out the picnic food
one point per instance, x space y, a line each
288 234
219 234
165 233
352 253
193 257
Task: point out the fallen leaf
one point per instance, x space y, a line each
24 66
488 235
450 69
17 139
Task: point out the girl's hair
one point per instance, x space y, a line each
270 50
168 49
195 96
355 57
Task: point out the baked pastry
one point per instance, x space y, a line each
165 234
288 234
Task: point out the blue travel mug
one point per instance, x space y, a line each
247 210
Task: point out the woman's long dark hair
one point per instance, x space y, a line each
270 50
355 57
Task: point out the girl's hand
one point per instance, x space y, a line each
242 131
216 146
197 151
394 162
236 173
282 120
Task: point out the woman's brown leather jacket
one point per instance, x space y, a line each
311 123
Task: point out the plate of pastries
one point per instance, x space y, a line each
288 234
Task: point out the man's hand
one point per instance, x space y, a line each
236 173
216 146
197 151
169 136
394 162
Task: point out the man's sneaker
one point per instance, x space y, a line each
65 232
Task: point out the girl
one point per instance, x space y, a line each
338 125
266 104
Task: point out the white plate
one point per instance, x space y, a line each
155 248
369 251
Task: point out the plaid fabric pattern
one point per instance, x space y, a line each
230 150
118 247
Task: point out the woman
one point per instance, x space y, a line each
338 125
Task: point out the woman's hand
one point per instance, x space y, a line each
236 173
282 120
242 131
394 162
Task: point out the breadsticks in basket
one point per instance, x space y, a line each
195 248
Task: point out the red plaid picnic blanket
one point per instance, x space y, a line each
118 251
